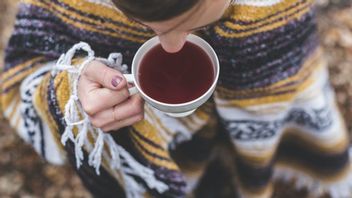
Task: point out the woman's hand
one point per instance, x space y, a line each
104 95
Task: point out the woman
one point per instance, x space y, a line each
273 97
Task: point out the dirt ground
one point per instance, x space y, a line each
24 174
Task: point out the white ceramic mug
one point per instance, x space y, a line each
174 110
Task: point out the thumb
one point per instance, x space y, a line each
105 76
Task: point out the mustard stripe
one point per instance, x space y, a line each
268 99
63 90
148 131
321 146
185 124
226 34
324 178
292 133
262 160
6 99
16 79
192 122
62 94
15 69
314 62
270 20
87 27
149 147
254 13
17 122
157 120
202 115
106 24
17 101
40 103
156 161
228 95
96 10
289 87
105 12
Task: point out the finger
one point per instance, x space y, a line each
123 123
134 105
95 99
104 75
129 108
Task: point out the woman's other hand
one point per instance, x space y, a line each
103 93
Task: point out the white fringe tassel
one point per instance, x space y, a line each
120 158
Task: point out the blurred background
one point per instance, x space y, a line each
24 174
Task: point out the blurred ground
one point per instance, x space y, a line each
24 174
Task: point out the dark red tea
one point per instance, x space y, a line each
176 77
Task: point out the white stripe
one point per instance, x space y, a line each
52 150
53 153
253 112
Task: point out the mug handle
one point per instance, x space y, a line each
130 79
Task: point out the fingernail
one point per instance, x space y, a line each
116 80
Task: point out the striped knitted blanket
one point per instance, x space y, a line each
273 101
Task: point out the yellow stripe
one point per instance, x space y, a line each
291 133
104 12
19 77
223 33
157 120
6 99
254 13
225 93
98 10
262 160
149 132
145 129
118 17
316 145
202 115
314 62
193 122
186 124
63 90
17 123
91 28
17 68
324 178
15 107
40 103
281 16
63 93
149 147
156 161
268 99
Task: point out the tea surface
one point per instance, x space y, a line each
176 77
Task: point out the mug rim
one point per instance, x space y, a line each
190 36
